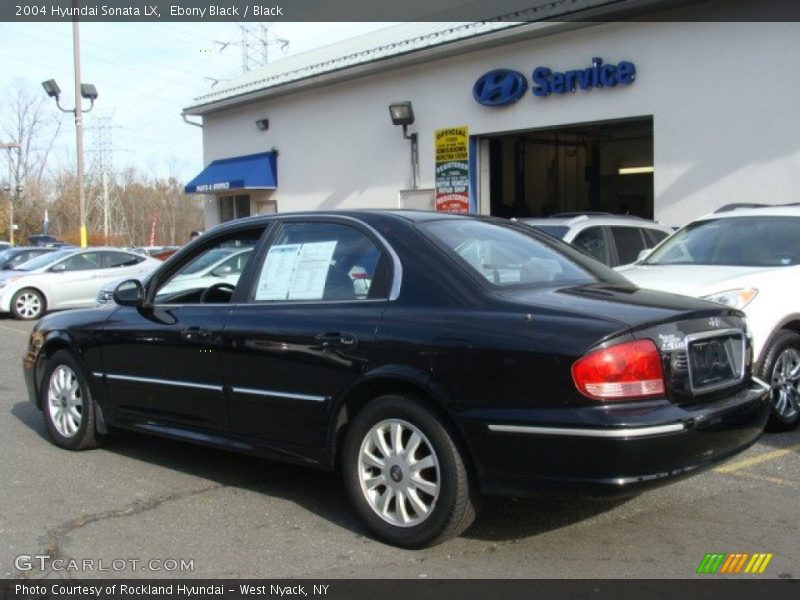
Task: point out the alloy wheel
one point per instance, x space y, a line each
28 305
786 383
399 473
64 401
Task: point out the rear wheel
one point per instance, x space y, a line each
405 474
67 404
27 304
781 369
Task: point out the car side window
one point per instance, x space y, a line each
629 243
121 259
657 235
319 261
592 241
84 261
211 276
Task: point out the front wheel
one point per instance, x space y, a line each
781 369
67 404
405 474
27 304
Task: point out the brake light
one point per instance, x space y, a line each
621 372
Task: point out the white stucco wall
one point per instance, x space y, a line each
724 99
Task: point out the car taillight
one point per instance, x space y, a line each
621 372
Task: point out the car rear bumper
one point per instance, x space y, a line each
612 450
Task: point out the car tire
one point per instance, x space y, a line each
27 304
417 496
67 404
781 369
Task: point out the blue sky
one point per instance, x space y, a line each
145 73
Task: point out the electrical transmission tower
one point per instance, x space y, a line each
255 44
101 171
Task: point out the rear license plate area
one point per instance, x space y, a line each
715 360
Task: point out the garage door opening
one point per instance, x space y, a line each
603 167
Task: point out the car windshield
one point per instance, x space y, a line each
5 255
506 256
206 260
733 241
44 260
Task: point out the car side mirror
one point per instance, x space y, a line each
60 267
221 271
643 254
129 293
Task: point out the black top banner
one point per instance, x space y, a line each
401 10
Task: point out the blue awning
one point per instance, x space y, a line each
251 172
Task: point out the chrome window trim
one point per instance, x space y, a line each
693 337
291 396
172 382
634 432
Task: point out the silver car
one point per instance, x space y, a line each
69 278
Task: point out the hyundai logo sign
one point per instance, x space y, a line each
500 87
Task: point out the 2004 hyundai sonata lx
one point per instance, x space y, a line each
430 358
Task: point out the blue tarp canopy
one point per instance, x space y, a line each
254 171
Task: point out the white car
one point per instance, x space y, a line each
746 258
220 265
67 278
614 240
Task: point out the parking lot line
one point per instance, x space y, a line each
767 479
758 459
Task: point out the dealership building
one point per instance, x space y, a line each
668 118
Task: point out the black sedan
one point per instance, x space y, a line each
429 358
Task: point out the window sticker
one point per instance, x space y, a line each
295 271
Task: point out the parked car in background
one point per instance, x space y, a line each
4 246
41 239
612 239
482 357
18 255
748 259
66 278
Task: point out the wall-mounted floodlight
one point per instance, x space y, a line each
262 124
51 87
402 114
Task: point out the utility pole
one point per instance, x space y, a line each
76 55
11 184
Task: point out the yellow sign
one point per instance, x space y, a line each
452 169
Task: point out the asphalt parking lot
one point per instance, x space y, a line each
142 499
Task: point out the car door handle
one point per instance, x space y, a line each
335 339
195 334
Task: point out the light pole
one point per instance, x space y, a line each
84 90
7 188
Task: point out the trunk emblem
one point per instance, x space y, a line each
715 321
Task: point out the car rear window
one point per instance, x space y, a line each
505 256
557 231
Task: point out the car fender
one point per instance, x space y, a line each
362 390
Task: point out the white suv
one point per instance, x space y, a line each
612 239
747 258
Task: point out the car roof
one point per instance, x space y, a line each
596 220
765 211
